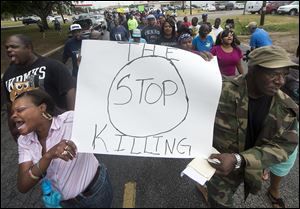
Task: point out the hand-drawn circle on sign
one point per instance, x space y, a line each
147 97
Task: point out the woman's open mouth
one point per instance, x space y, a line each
20 124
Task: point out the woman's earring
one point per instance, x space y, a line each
47 115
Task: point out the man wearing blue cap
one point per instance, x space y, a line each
136 37
204 19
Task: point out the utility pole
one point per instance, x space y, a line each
191 8
263 12
245 3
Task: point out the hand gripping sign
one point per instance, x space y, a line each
144 100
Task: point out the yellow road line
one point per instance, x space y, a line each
129 195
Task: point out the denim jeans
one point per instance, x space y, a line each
101 196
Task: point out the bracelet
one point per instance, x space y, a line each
238 161
38 166
31 174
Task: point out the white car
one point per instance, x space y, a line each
30 20
291 9
239 5
254 6
50 19
209 8
59 18
100 20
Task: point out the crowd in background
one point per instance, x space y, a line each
200 37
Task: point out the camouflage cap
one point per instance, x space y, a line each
270 57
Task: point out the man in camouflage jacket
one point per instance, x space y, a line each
247 148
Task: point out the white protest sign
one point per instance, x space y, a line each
145 100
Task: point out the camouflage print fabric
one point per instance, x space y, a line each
221 189
277 140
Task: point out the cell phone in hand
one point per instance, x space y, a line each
214 161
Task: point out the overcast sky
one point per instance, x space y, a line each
101 4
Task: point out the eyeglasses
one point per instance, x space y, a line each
273 75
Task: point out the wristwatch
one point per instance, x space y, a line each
238 161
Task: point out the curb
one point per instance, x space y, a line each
53 51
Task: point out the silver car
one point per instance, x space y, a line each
100 20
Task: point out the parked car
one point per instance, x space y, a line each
20 18
171 7
165 8
239 6
88 25
254 6
30 20
229 6
50 18
100 20
59 18
220 6
224 5
272 6
83 16
291 9
209 7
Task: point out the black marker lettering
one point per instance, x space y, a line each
133 143
146 93
145 149
120 142
142 87
97 136
168 146
179 145
123 86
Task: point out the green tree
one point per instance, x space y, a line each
39 8
11 7
62 8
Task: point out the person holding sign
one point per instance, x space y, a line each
45 152
255 126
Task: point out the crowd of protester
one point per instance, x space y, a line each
159 28
252 98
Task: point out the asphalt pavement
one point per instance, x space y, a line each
158 181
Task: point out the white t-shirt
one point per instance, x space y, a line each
216 31
195 30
